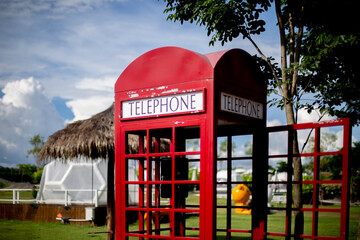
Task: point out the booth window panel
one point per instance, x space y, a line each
307 194
187 139
135 142
194 168
306 140
133 217
221 170
277 194
242 146
330 167
222 147
308 219
136 195
331 138
136 169
193 199
221 197
278 143
241 221
160 168
192 145
278 167
276 221
161 140
181 194
192 224
242 170
329 224
157 201
307 163
221 220
330 193
192 227
160 223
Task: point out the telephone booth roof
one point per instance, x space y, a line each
173 65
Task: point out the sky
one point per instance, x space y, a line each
60 59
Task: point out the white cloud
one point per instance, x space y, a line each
305 117
274 122
87 107
24 112
98 84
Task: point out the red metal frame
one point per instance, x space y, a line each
316 154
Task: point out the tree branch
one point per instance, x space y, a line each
266 60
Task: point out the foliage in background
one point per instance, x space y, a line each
24 173
37 142
3 184
355 172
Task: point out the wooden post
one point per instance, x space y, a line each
110 197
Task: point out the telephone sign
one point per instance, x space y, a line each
190 102
241 106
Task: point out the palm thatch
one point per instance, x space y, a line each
92 138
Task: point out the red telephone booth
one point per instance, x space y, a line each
172 106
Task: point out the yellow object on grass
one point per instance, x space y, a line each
241 195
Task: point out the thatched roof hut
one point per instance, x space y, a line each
92 138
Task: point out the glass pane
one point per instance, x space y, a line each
192 225
193 199
136 142
242 170
242 146
330 167
308 168
330 194
222 146
136 168
276 221
307 193
160 140
278 143
277 194
221 218
241 221
331 138
136 216
187 139
278 167
329 224
306 139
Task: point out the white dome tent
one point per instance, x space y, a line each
77 181
74 182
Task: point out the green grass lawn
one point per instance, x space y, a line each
328 225
17 230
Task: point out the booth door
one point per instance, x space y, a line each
234 186
324 152
161 180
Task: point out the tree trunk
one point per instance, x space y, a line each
110 198
297 167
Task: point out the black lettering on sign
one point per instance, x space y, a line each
241 106
183 102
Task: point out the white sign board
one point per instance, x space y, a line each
241 106
164 105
